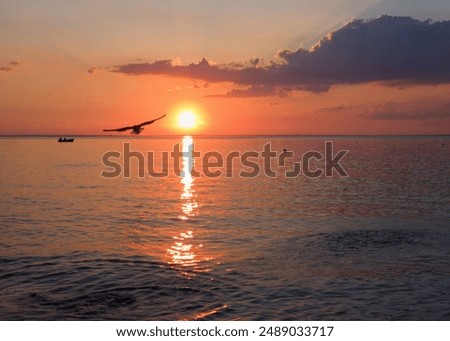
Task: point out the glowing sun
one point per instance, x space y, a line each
187 119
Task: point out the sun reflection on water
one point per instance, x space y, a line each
181 252
189 204
177 242
184 251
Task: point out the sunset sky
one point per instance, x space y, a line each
240 67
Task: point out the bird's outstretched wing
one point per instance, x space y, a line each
119 129
150 122
137 126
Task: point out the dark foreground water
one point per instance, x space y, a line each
372 246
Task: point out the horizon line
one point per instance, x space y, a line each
216 136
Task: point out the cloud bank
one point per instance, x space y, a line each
396 50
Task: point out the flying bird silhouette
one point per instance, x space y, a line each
136 129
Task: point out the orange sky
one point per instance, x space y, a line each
45 87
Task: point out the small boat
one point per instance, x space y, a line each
63 139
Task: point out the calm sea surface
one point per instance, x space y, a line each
372 246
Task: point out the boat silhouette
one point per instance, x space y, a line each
64 139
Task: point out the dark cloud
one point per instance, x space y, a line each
255 61
92 70
398 50
10 66
384 49
414 110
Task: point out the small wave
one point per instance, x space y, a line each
208 313
363 240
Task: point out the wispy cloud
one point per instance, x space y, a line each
413 110
10 66
398 50
334 108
